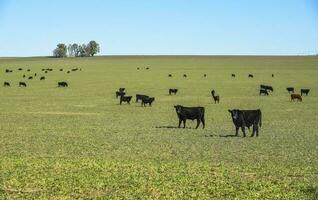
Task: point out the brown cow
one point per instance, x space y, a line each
296 96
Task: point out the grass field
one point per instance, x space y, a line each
78 142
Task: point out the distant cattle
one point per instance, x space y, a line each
173 91
204 75
147 68
75 69
251 76
68 72
140 96
35 74
119 94
121 89
20 69
272 75
147 100
29 70
233 75
192 113
304 91
42 78
138 68
46 72
6 84
62 84
61 70
246 118
125 99
267 87
216 98
296 96
8 71
184 76
170 75
22 84
290 90
264 92
30 77
23 76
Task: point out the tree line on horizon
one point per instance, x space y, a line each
75 50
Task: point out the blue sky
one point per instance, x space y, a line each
153 27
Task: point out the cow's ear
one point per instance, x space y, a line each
230 111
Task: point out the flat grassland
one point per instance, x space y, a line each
78 142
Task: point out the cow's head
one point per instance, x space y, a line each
234 113
178 108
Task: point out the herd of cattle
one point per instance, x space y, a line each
31 76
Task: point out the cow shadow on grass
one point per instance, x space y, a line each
173 127
222 135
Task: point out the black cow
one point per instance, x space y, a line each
125 99
75 69
6 84
140 96
35 74
147 100
290 90
30 77
184 76
170 75
20 69
68 72
304 91
264 92
147 68
191 113
29 70
267 87
119 94
8 71
62 84
138 68
61 70
272 75
246 118
233 75
22 84
42 78
173 91
23 76
46 72
251 76
121 89
204 75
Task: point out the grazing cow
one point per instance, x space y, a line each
147 100
204 75
23 76
68 72
267 87
250 76
121 89
20 69
35 74
191 113
46 71
215 97
22 84
6 84
30 77
125 99
62 84
74 69
290 90
304 91
61 70
233 75
42 78
29 70
246 118
147 68
8 71
43 69
80 69
296 96
272 75
138 68
139 97
170 75
173 91
119 94
264 92
184 76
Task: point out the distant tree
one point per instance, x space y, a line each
60 51
75 49
83 50
93 48
70 50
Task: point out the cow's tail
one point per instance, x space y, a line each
260 118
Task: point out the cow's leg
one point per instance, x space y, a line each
180 120
257 130
253 132
243 130
198 123
184 123
120 101
203 122
236 131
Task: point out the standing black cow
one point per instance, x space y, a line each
30 77
233 75
267 87
184 76
246 118
139 97
304 91
121 89
204 75
170 75
125 99
6 84
147 100
191 113
62 84
173 91
42 78
290 90
250 76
